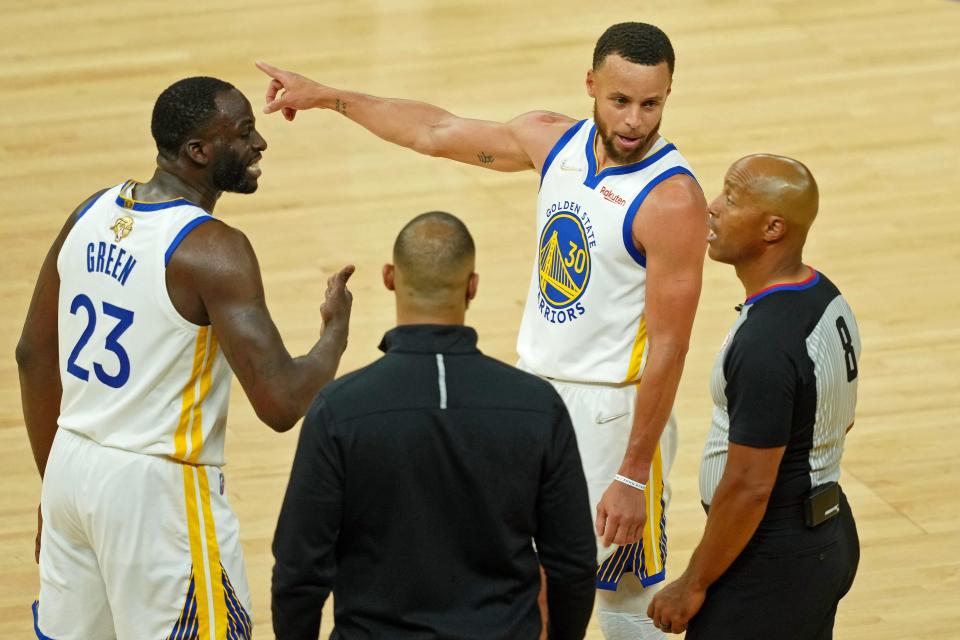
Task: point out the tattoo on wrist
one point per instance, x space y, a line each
341 106
484 158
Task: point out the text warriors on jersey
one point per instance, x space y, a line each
564 261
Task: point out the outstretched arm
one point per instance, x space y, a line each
220 268
670 229
522 143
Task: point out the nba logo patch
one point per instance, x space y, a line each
221 483
564 262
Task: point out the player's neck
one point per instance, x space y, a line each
167 185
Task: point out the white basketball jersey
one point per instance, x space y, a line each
584 319
136 375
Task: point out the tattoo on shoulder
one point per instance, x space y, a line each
484 158
341 106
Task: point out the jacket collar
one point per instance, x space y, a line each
430 338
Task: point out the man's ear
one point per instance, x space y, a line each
199 151
775 229
388 277
472 284
591 81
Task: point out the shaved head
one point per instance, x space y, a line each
434 258
781 186
764 213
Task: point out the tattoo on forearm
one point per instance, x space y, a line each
484 158
341 106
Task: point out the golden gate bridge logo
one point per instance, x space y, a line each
564 260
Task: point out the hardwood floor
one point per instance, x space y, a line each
865 92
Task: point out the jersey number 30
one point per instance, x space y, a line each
124 320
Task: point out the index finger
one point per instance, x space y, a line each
269 69
600 522
345 274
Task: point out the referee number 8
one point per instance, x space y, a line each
850 358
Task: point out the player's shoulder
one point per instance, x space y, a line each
204 231
679 193
537 132
545 119
76 214
89 201
671 216
211 245
86 204
544 127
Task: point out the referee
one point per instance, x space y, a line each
780 545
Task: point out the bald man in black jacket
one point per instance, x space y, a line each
422 481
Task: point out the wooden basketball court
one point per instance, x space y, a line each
866 92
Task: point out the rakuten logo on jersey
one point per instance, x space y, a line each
611 196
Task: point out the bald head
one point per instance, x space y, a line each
780 186
433 263
764 212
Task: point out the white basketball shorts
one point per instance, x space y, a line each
602 417
137 546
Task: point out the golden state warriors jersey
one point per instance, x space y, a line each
584 320
136 375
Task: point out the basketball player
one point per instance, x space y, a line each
142 307
780 546
616 278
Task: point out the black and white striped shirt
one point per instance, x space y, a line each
786 376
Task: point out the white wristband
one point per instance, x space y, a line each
630 483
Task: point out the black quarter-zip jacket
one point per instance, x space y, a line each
419 486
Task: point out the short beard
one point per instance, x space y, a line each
615 154
230 174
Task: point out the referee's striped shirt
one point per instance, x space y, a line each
786 376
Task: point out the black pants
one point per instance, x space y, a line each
786 583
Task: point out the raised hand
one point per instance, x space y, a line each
338 300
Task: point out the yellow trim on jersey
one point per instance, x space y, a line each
204 554
636 355
191 406
653 530
189 391
196 435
